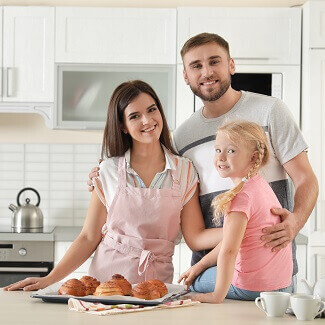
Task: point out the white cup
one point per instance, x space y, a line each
306 307
274 304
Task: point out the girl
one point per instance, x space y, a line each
144 196
244 266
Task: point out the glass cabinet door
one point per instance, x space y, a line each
84 91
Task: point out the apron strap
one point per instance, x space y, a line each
121 173
176 185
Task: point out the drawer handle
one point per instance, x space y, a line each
23 269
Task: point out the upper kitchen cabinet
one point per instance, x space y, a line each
28 54
255 35
115 35
314 18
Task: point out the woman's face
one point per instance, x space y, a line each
142 120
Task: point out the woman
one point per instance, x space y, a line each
145 194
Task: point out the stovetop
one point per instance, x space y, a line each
9 234
44 230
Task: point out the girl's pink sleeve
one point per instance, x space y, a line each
241 203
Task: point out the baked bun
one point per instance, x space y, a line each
160 286
109 288
90 283
73 287
145 290
123 283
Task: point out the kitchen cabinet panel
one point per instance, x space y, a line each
115 35
301 255
28 54
314 18
313 122
60 249
316 263
313 126
185 258
255 35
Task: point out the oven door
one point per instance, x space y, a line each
11 272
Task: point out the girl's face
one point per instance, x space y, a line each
231 159
142 120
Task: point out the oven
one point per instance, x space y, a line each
25 257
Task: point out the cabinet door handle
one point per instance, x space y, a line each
8 69
251 58
23 269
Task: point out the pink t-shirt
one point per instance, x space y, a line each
257 267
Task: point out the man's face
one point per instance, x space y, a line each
208 70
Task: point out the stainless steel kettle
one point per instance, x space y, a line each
27 217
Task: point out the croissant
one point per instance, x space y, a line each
160 286
90 283
73 287
123 283
109 288
145 290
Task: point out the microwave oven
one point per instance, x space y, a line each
83 91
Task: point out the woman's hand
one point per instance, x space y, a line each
207 297
29 284
190 275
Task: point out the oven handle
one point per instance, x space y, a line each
23 269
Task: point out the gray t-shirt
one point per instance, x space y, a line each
194 139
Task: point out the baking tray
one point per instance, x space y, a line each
50 294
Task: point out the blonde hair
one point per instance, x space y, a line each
254 136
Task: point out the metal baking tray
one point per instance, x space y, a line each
50 294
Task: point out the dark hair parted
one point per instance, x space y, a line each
204 38
115 141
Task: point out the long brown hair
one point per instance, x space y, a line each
254 137
115 141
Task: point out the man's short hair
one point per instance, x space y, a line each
204 38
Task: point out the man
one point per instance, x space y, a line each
208 68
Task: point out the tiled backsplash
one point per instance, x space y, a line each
57 171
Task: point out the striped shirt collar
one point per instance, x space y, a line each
170 165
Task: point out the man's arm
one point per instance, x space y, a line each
306 192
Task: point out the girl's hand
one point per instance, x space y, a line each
190 275
206 297
29 284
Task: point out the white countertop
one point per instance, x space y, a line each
18 308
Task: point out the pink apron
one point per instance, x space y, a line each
140 232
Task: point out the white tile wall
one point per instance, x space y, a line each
57 171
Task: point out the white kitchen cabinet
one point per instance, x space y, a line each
314 20
316 263
181 260
115 35
60 249
28 54
301 255
255 35
313 126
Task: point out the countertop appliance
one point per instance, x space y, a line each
27 217
25 254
